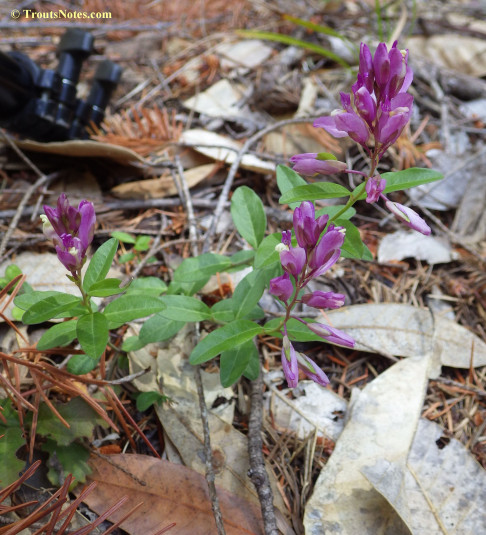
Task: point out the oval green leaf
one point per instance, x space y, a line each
227 337
158 329
58 335
184 308
50 307
100 263
247 294
248 215
313 192
233 363
92 333
201 267
131 307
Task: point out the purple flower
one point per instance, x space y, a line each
327 252
282 287
293 260
393 119
374 188
289 363
70 253
307 228
407 216
365 105
311 370
71 229
320 299
310 164
335 336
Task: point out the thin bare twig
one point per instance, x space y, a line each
257 472
208 452
41 181
234 168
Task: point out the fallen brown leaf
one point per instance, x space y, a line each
170 493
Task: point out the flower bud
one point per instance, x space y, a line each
335 336
282 287
320 299
289 363
408 217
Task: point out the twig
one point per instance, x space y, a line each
234 168
208 452
257 472
41 181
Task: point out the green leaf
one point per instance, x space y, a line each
409 178
223 311
331 211
25 301
353 244
58 335
105 288
49 307
201 267
297 331
147 399
9 444
100 263
247 294
73 460
92 333
184 308
266 255
252 371
186 288
288 179
81 417
131 307
132 343
158 329
313 192
234 362
292 41
127 257
147 285
124 237
227 337
241 259
142 243
12 271
248 215
81 364
367 255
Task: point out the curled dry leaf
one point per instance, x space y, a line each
406 331
223 149
440 490
170 493
85 148
382 422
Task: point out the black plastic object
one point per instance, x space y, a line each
41 103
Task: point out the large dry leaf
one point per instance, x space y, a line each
156 188
406 331
170 493
381 425
440 491
181 420
85 148
223 149
410 244
459 52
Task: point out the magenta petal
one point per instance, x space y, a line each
312 370
335 336
381 65
354 126
329 125
293 260
289 363
282 287
408 217
326 249
320 299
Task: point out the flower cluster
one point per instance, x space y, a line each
378 109
71 229
374 115
313 256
